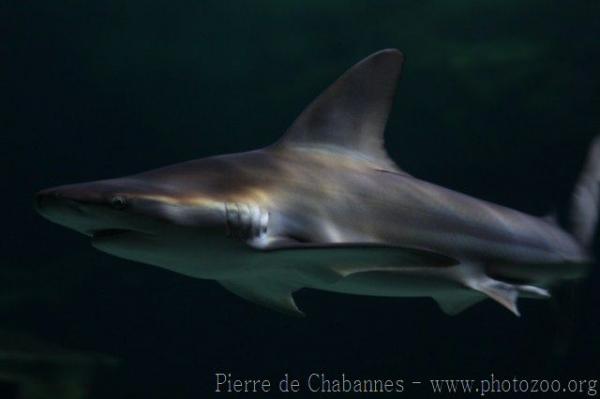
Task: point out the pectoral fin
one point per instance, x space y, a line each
265 291
344 260
324 265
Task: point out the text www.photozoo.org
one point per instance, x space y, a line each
497 385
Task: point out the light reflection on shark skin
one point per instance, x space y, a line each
325 207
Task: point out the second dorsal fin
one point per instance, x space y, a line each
350 115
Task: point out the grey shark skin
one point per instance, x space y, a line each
326 208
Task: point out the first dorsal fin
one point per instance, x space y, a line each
350 115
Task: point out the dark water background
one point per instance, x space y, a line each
499 100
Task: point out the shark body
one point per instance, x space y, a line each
326 208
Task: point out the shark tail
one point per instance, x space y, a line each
584 205
581 222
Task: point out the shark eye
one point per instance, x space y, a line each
118 202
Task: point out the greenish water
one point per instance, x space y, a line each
498 99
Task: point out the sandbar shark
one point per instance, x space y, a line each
326 208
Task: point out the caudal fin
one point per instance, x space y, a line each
585 200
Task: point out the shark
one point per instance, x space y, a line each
326 208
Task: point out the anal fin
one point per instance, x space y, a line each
455 305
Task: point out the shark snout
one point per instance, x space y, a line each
95 208
82 192
62 197
49 199
56 205
72 205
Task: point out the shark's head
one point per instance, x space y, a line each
178 217
154 217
